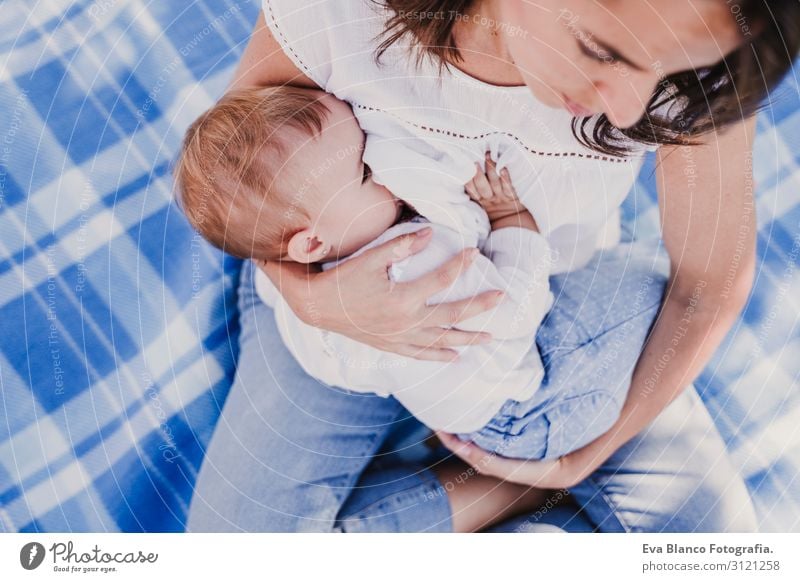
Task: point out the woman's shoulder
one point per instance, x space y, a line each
319 34
313 15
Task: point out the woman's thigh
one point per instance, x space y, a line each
676 474
287 450
589 345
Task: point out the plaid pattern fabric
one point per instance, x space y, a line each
118 325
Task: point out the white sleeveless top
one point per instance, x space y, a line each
451 119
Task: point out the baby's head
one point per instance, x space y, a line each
275 173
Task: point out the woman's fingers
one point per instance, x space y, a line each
396 249
441 277
439 348
437 337
533 473
450 314
482 461
417 352
449 440
430 354
435 344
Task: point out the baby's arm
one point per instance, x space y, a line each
518 259
498 198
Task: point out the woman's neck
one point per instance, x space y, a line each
480 38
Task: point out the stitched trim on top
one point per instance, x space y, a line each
285 44
530 150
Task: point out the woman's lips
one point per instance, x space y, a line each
574 109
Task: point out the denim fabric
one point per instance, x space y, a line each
291 454
589 344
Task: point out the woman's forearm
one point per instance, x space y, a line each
683 340
708 226
264 62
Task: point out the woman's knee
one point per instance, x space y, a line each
675 476
716 497
720 503
224 502
736 519
687 501
260 474
286 450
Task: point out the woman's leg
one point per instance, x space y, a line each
676 474
586 380
288 452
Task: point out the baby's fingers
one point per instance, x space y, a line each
493 178
508 187
481 184
472 191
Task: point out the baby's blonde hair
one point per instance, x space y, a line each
225 174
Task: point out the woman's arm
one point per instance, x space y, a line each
709 230
264 62
708 225
357 299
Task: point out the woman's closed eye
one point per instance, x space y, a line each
594 52
367 174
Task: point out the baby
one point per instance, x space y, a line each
277 174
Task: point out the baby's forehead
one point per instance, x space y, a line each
321 161
306 155
338 111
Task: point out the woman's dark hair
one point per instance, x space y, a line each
697 101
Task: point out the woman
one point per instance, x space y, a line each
291 455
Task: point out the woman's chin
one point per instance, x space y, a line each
546 95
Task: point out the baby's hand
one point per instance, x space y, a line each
496 195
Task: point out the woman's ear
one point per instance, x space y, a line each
306 247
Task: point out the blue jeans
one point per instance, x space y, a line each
291 454
589 345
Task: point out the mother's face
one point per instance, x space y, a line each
606 56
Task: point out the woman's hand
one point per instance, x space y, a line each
559 473
357 299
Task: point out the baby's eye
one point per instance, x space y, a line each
367 173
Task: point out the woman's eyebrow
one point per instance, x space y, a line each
615 54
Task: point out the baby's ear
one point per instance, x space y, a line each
306 247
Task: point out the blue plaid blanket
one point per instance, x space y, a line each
118 324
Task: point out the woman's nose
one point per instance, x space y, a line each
624 100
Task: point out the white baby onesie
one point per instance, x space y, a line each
459 396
